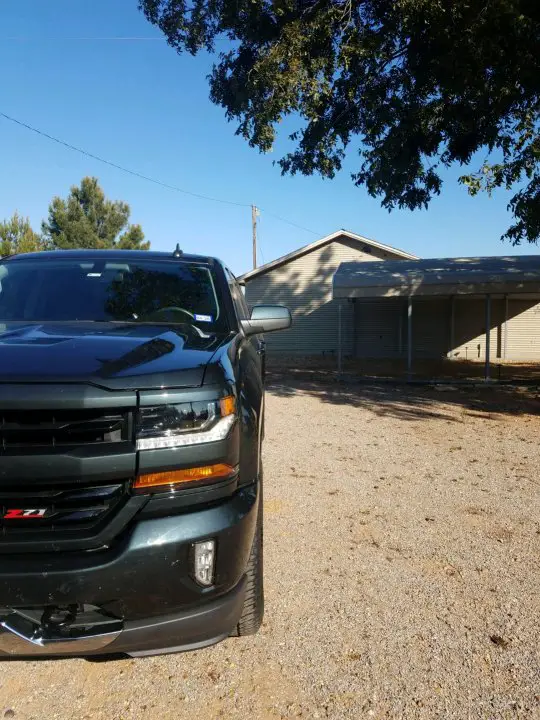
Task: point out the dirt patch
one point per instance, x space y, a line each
402 574
422 368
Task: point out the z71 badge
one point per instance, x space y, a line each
24 513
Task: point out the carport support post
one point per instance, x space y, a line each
505 340
409 337
339 339
488 333
452 325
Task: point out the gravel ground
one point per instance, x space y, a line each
402 574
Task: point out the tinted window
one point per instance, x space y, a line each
142 291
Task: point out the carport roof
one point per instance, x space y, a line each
438 276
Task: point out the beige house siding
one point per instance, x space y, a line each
431 327
470 329
521 336
304 284
523 340
381 328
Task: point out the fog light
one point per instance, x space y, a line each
204 562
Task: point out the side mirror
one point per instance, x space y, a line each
267 318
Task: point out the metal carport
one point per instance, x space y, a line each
480 276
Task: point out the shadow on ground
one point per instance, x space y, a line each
422 368
409 402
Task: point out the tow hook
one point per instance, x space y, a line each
55 619
53 628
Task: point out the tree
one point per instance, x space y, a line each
412 85
86 219
17 236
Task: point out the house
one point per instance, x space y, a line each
302 280
355 297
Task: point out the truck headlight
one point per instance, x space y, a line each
169 426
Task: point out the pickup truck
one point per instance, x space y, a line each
131 425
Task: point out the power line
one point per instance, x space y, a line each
289 222
139 175
120 167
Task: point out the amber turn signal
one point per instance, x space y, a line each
173 478
227 405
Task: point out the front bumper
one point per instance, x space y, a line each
143 586
188 630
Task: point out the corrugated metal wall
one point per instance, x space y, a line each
305 286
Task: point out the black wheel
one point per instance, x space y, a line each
253 610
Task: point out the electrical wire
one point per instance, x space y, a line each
120 167
139 175
289 222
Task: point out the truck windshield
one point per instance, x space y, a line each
143 291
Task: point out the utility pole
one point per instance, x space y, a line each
254 213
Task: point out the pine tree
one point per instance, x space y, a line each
87 219
17 236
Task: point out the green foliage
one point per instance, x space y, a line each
86 219
412 86
17 236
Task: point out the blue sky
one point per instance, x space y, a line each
141 105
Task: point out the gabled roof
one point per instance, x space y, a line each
360 239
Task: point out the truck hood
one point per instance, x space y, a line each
112 355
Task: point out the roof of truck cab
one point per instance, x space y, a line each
116 254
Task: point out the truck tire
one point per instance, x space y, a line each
253 610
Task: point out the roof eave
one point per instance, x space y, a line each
318 243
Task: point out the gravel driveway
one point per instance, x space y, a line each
402 574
